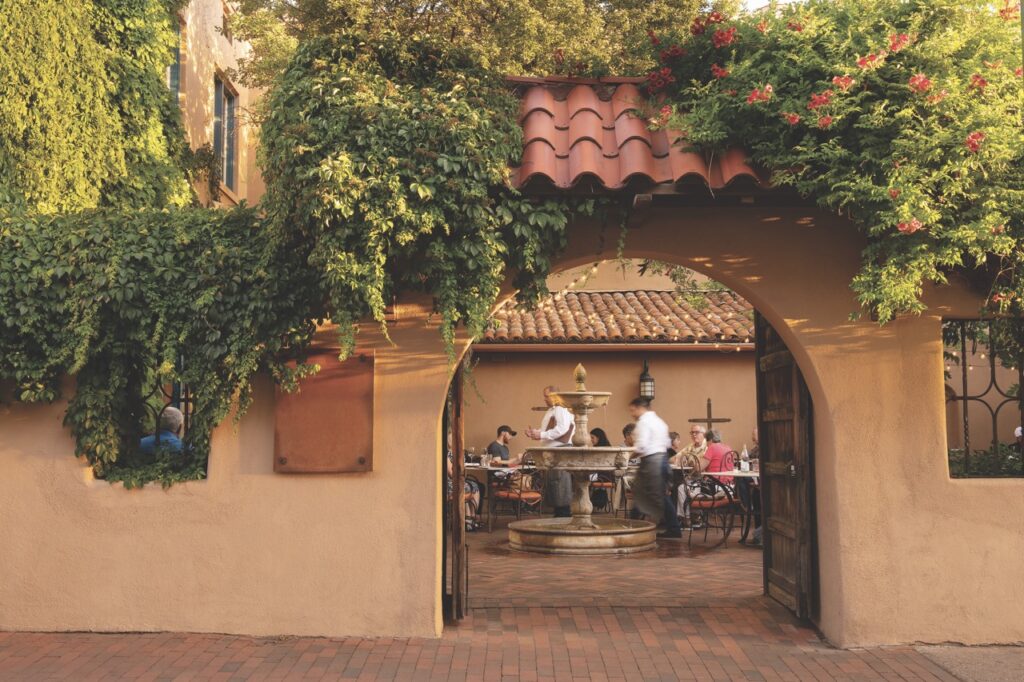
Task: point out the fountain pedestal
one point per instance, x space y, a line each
582 534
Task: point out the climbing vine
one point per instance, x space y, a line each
904 115
390 159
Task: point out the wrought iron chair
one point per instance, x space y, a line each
604 482
520 491
716 508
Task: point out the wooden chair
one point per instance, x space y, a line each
605 482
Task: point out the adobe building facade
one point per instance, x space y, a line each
250 551
905 553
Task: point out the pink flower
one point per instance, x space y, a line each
898 41
715 18
791 118
974 140
718 72
910 228
920 83
844 83
819 100
762 26
894 192
824 122
723 37
1019 71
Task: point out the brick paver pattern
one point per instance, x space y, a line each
674 614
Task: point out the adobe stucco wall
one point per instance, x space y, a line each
505 386
906 554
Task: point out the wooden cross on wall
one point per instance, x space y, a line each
709 421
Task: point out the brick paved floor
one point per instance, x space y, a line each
674 614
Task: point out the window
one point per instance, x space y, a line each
174 70
225 23
225 131
984 373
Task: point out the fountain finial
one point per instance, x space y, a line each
580 375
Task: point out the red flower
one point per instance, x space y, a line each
978 83
723 37
791 118
759 95
844 83
1009 12
715 18
894 192
718 72
871 61
974 140
663 56
731 93
664 114
820 100
825 122
910 228
676 51
698 27
999 298
762 26
1018 72
795 26
920 83
938 97
898 41
654 38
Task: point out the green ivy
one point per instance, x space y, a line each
86 119
390 160
903 114
129 302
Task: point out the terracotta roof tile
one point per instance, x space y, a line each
596 129
641 316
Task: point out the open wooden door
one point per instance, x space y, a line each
786 441
457 601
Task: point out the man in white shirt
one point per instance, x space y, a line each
556 429
651 443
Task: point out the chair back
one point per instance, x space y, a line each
729 460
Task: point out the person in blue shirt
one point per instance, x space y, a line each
167 437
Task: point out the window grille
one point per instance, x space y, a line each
984 375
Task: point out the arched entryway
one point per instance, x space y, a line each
493 575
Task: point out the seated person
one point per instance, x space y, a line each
714 459
499 446
599 439
470 489
167 436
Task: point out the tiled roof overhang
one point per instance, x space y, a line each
593 134
617 317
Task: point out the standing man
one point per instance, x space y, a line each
650 491
499 446
556 430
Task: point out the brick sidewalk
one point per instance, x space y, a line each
571 643
672 614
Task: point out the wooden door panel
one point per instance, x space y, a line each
784 430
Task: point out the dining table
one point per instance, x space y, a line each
490 474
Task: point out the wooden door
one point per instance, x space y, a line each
458 601
786 443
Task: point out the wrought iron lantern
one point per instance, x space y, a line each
646 384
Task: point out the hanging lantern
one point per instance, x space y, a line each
646 384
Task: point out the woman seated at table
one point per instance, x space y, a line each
471 492
715 459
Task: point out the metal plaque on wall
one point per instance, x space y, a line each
327 425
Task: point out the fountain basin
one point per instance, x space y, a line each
557 536
573 458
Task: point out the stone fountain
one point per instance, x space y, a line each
582 534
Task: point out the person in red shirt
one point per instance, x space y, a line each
715 457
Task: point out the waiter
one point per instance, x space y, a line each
556 430
651 443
